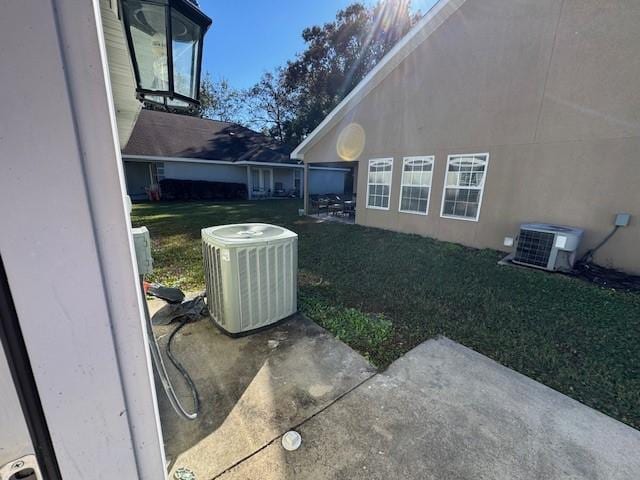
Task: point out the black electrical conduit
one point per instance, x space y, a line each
588 256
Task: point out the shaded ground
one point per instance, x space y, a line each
384 293
445 412
252 389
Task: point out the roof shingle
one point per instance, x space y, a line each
161 134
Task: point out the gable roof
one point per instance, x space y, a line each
162 134
428 24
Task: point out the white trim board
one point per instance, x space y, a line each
144 158
91 362
150 158
428 24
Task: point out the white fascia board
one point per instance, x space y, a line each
149 158
271 164
418 34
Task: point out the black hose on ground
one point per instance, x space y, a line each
156 358
183 371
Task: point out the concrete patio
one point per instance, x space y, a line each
326 217
252 389
445 412
440 412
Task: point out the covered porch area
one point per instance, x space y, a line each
328 201
274 181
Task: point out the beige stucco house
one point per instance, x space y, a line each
492 113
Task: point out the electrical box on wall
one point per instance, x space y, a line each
142 244
622 219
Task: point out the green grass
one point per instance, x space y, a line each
384 293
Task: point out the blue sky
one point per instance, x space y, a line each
249 37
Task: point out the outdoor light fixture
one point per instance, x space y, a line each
167 72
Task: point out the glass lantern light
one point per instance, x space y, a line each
167 72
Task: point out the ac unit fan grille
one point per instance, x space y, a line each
534 248
214 284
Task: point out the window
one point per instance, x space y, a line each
463 186
415 186
379 183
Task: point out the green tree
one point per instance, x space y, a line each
337 56
270 105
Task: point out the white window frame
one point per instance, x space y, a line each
430 158
480 188
371 160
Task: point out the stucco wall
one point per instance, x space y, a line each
548 88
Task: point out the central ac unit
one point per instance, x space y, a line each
550 247
251 275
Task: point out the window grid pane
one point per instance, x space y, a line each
415 185
379 183
464 183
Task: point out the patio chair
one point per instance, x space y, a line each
349 209
335 208
319 204
278 190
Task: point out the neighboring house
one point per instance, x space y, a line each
167 145
158 145
491 113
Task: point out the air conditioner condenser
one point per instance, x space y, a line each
250 274
549 247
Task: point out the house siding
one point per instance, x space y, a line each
202 171
548 88
137 178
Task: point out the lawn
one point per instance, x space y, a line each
384 293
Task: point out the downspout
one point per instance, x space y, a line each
249 182
306 188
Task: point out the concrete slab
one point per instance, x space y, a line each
446 412
252 389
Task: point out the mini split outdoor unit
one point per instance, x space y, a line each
550 247
251 275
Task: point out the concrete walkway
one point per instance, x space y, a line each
252 389
446 412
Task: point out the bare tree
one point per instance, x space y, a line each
220 101
271 106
